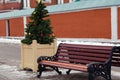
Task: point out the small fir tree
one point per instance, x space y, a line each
39 28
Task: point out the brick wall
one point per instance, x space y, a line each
16 27
2 28
10 6
82 24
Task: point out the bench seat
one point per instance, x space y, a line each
63 65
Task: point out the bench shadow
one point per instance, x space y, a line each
72 76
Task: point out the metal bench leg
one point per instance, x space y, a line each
102 74
40 69
57 70
68 72
108 75
99 70
90 76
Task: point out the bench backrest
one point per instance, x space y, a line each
83 54
116 57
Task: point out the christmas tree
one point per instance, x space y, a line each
39 28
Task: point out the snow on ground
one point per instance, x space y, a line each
11 40
115 73
13 72
71 41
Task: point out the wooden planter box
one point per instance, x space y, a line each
30 53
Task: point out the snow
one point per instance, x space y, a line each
14 41
13 71
72 41
115 73
16 74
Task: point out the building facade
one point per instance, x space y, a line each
70 19
23 4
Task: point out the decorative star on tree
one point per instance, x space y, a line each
38 1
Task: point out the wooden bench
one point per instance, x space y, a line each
96 60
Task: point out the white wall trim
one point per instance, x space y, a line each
28 3
71 1
60 1
114 23
24 23
7 28
11 1
24 4
79 10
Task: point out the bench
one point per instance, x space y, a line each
96 60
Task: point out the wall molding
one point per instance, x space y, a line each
74 6
114 23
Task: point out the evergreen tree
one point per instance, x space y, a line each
39 28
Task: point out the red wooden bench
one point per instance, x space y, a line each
96 60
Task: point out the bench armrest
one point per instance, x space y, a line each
98 66
49 58
97 69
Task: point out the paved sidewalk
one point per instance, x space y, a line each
10 64
2 77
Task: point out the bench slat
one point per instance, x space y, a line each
85 46
83 58
84 50
84 54
63 65
116 59
114 64
116 55
74 61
